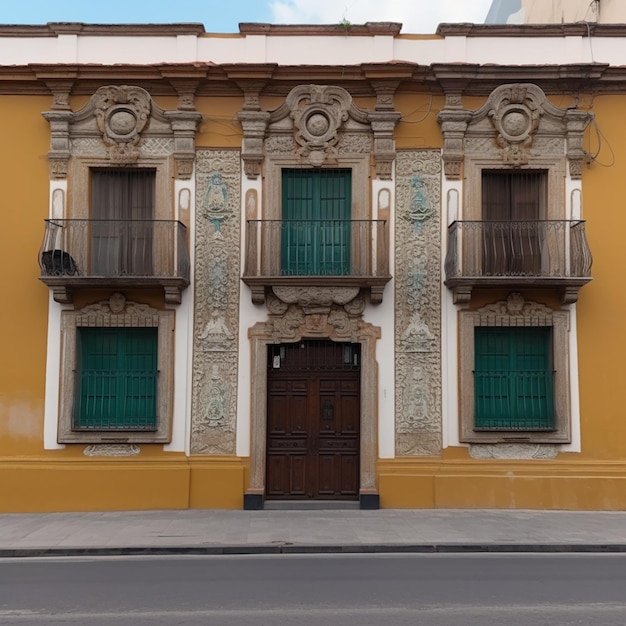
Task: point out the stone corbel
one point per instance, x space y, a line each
184 125
254 124
383 122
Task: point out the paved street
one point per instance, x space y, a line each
307 590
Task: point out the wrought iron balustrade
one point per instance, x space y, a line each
316 248
83 252
555 248
496 253
316 253
114 248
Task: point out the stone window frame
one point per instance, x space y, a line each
515 312
556 189
79 187
117 313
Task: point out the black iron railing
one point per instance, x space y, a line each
538 248
115 249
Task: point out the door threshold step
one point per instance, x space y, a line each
310 505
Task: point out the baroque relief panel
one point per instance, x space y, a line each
217 243
417 303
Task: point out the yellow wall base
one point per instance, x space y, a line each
502 485
219 483
120 484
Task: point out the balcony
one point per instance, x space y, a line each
79 253
316 254
552 254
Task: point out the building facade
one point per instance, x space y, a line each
311 263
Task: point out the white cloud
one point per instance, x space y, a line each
416 16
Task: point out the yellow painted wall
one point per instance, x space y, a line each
601 326
24 311
33 480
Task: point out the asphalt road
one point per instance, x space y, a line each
422 590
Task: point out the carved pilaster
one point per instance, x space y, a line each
576 122
254 124
59 154
184 126
383 124
453 120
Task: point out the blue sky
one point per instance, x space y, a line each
418 16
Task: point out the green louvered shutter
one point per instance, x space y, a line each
316 222
513 379
116 380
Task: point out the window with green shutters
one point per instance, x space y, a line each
116 379
513 378
316 231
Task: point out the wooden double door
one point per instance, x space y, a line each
313 421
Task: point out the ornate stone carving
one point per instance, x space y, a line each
518 123
515 112
514 311
121 113
105 449
321 123
316 299
122 125
512 451
417 303
217 244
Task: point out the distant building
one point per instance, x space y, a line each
312 263
556 11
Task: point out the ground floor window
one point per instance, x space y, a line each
514 367
117 373
513 379
116 379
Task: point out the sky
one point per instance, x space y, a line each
224 16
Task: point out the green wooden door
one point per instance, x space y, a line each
316 227
513 379
116 387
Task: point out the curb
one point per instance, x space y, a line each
287 548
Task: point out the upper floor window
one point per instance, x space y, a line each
122 213
316 231
513 207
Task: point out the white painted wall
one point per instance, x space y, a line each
333 51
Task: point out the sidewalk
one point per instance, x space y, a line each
272 532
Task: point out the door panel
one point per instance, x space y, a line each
313 421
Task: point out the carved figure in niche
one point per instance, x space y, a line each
215 330
417 334
420 208
216 202
215 412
